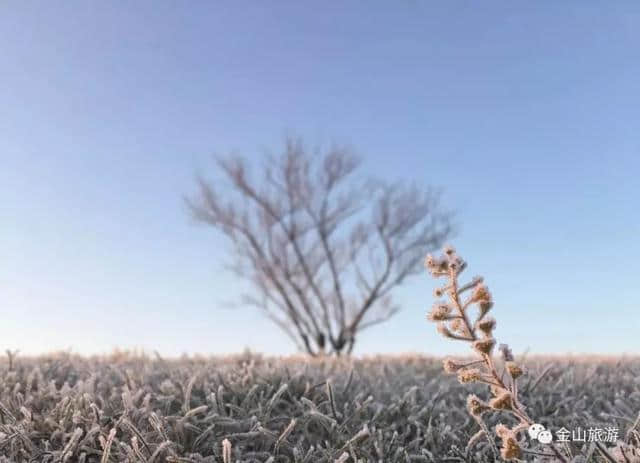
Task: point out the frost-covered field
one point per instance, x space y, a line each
253 409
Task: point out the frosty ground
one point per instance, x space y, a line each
250 408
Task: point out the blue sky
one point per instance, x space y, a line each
527 114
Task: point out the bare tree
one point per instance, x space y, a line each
321 249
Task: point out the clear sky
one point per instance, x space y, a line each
528 114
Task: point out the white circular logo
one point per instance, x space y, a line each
539 433
545 437
534 430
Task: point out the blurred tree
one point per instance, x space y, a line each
322 249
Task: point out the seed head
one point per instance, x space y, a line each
476 406
451 366
484 346
510 449
485 306
439 312
506 353
457 264
514 370
481 294
487 326
436 267
429 261
469 376
502 402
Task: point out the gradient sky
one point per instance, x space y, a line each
528 114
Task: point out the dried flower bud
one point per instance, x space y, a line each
476 406
506 353
487 326
439 312
502 402
510 449
451 366
481 294
438 292
436 267
457 264
514 370
484 346
428 261
449 250
485 306
469 376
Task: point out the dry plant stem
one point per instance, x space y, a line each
487 359
454 323
456 300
